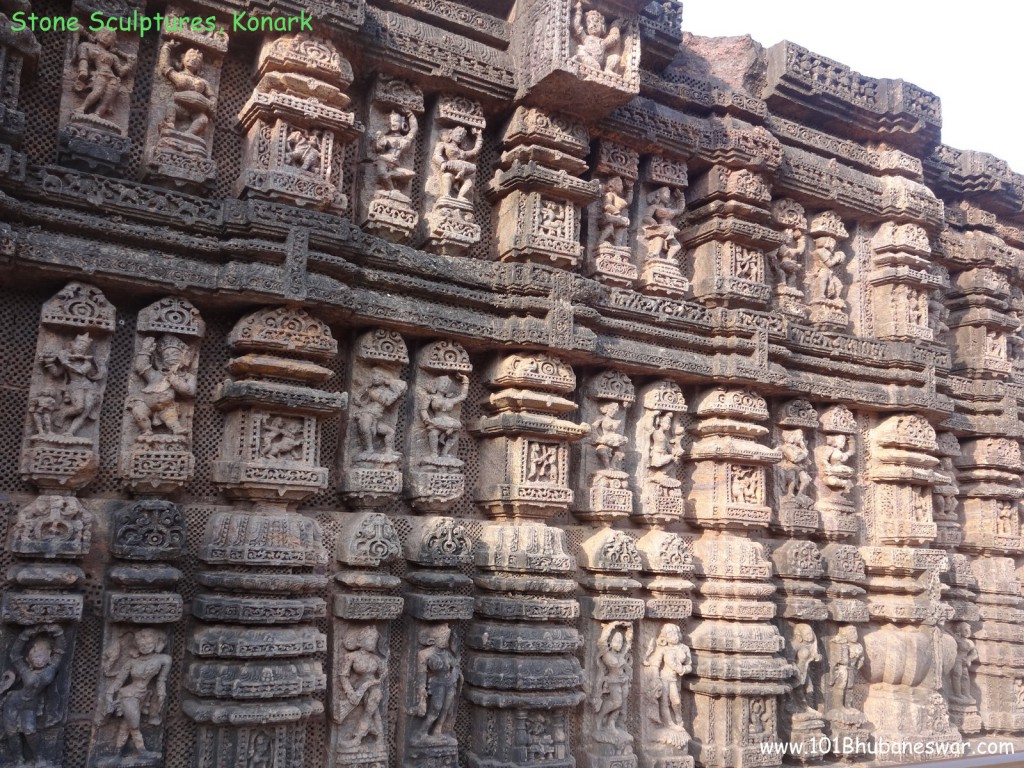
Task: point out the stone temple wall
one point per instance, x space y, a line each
495 384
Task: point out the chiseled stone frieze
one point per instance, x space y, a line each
583 403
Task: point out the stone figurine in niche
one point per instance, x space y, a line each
805 653
846 657
137 669
193 102
360 674
304 149
261 754
837 474
960 673
101 65
793 467
788 259
166 366
281 438
827 285
389 149
608 435
664 206
611 689
615 212
370 405
454 164
437 683
28 699
598 47
669 659
75 395
441 425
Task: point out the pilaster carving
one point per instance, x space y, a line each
541 196
602 488
297 122
609 256
661 207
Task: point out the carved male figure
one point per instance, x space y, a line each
139 686
389 148
371 406
454 163
36 656
166 369
80 372
193 102
101 65
437 682
281 439
597 46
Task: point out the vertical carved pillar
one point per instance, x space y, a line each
610 561
901 282
609 256
433 680
522 677
980 315
435 479
829 310
385 202
663 660
156 432
455 139
141 606
735 709
661 205
99 76
296 124
370 473
904 699
19 53
186 86
602 492
787 263
252 678
989 472
363 611
40 610
541 196
728 240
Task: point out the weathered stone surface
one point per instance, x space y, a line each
497 384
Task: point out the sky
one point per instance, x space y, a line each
970 54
